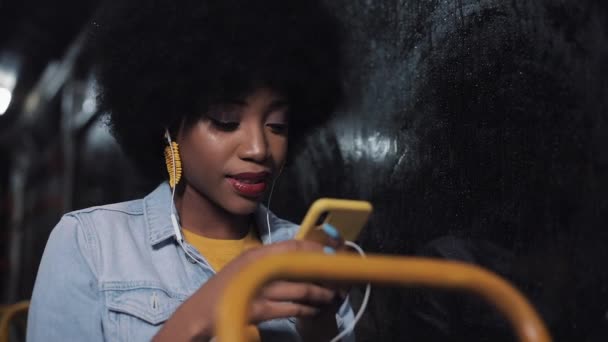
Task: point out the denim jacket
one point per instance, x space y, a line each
117 273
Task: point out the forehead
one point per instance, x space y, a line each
266 98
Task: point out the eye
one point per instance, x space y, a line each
227 126
278 128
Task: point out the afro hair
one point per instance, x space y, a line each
162 62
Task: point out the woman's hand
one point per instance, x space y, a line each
322 326
281 299
194 319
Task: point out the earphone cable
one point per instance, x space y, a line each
364 302
172 210
268 209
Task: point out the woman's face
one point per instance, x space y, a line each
231 155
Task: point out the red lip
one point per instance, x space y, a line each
251 176
249 184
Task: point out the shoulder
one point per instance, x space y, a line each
98 215
134 207
86 230
107 217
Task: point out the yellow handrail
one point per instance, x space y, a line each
7 315
405 271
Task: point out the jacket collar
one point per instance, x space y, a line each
157 212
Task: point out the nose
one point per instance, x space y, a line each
254 145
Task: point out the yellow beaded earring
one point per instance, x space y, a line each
173 161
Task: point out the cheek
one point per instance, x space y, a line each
279 150
192 164
201 152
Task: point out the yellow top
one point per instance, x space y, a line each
220 252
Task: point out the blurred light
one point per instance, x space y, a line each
89 105
375 147
9 69
5 100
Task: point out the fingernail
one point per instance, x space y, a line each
331 231
329 250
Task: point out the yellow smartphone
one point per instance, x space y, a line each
347 216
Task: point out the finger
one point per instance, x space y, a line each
263 310
295 246
253 254
334 240
298 292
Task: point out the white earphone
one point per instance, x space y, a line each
268 203
176 229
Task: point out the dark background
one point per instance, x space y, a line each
478 129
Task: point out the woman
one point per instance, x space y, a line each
236 84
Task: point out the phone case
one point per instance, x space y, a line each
347 216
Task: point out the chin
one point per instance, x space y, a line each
244 206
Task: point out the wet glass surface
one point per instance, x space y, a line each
478 131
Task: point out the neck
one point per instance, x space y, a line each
201 216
